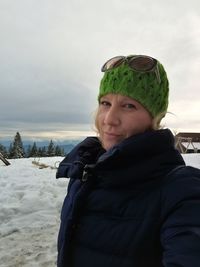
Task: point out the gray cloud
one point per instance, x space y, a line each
51 53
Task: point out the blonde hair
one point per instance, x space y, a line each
156 124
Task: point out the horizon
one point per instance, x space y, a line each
60 137
70 136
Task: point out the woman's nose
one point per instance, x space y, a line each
112 117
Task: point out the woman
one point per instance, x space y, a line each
131 200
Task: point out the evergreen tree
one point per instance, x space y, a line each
16 149
43 151
59 151
34 151
28 151
39 152
10 151
51 149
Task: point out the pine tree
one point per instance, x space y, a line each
28 151
43 152
59 151
10 151
16 149
51 149
34 151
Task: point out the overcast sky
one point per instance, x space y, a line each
51 52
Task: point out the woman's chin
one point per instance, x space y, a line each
108 144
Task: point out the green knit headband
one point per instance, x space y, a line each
141 86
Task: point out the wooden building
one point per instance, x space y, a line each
188 142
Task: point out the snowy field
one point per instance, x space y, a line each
30 203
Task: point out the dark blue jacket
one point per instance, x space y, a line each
136 205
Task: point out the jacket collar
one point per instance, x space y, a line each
136 159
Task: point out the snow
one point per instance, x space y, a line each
30 204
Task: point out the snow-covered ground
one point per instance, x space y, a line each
30 203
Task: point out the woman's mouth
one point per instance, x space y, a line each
112 134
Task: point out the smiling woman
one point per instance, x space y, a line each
120 117
131 200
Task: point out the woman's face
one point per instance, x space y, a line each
120 117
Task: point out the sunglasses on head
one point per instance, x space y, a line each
137 63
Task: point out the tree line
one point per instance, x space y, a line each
17 150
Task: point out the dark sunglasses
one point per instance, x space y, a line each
137 63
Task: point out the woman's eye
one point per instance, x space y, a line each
130 106
104 103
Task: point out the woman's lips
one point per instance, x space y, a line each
112 134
